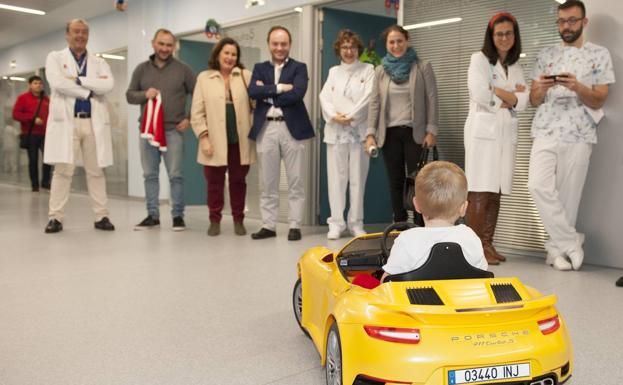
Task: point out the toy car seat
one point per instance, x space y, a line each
445 261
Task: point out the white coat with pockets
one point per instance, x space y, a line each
60 66
490 134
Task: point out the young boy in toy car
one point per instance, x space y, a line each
441 198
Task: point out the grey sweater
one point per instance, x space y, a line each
174 81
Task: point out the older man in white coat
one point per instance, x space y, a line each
78 129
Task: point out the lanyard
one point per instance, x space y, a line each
81 66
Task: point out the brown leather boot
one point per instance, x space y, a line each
475 219
491 221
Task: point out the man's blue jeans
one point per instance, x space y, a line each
150 158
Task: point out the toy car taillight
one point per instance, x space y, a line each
401 335
549 325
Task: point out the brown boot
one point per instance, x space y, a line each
475 219
491 221
239 228
214 229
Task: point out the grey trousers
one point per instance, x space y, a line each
273 144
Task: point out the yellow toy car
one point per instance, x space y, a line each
444 323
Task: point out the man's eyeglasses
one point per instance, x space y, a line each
571 21
507 34
346 48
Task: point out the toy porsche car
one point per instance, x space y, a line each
444 323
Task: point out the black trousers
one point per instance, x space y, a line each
401 154
36 144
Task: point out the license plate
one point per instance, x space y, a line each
488 373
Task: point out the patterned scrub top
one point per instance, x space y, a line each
562 114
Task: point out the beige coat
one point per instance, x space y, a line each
208 114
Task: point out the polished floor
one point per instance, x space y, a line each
84 307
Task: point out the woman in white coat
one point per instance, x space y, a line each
344 100
497 91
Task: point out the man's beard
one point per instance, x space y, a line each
573 37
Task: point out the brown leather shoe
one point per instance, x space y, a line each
490 255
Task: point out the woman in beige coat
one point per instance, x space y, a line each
221 119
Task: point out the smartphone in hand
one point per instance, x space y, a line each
554 77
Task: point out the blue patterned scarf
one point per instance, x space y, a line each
398 68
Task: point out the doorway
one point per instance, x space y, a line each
367 18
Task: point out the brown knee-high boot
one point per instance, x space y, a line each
491 221
476 219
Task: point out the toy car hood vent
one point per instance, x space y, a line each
423 296
505 292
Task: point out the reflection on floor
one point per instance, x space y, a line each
116 184
160 307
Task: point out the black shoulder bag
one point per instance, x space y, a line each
409 187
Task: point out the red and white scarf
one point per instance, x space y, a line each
152 125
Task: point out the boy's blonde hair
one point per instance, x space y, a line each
440 189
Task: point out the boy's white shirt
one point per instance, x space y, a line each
412 247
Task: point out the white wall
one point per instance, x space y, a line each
601 210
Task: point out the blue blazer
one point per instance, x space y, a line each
291 102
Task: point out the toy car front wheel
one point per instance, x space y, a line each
297 304
333 366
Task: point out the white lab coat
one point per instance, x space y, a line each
59 144
490 131
347 90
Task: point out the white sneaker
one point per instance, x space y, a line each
551 257
562 264
357 231
577 257
334 234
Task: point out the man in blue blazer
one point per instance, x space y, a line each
280 125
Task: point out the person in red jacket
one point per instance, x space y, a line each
24 112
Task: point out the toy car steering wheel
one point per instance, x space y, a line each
400 226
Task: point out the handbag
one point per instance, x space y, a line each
409 186
24 139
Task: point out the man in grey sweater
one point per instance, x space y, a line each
171 80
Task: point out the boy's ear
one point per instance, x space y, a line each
417 207
463 209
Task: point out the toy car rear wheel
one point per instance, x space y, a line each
297 304
333 365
